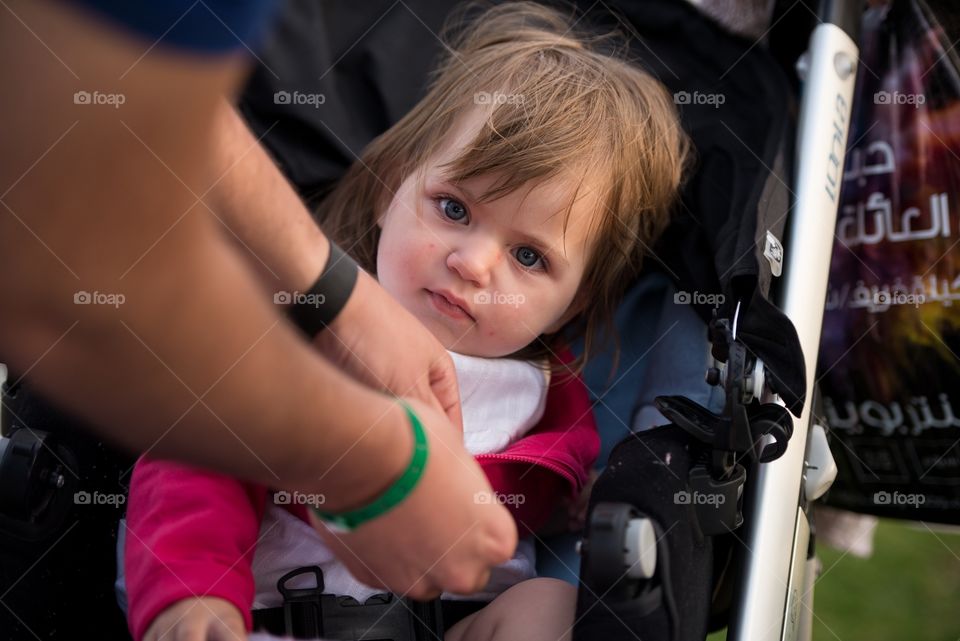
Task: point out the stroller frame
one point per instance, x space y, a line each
775 564
778 574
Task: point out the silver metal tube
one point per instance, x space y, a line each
773 534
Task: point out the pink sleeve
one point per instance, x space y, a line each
552 460
189 533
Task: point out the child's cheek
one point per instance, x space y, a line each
531 313
419 259
515 314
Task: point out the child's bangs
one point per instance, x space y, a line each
543 134
513 166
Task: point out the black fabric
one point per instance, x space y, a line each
371 61
61 586
647 470
740 186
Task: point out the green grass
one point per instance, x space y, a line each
908 591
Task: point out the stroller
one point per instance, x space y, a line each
698 524
712 249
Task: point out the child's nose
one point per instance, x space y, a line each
474 262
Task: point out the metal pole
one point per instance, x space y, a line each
768 603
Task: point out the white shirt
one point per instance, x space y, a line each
502 399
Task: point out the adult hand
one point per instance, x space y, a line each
383 345
445 536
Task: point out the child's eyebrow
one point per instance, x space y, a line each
533 239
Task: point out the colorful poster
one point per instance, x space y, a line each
889 365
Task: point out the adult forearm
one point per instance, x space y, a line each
119 297
259 210
194 364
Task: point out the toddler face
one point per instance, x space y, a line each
485 278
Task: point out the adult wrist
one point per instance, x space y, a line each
312 311
397 488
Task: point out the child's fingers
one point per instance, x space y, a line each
224 623
198 619
233 631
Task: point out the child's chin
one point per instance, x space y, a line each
482 351
468 343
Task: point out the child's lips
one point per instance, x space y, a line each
447 307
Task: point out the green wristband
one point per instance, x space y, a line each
393 495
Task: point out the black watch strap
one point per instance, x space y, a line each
313 310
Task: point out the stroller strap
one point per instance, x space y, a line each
308 613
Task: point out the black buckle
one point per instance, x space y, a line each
718 503
734 435
308 613
302 611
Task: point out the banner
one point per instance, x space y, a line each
889 365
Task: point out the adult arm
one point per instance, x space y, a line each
265 218
189 360
194 363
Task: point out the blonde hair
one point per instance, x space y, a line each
581 108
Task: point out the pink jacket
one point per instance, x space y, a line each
191 532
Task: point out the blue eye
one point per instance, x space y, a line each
453 209
528 257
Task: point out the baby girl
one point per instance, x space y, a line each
507 211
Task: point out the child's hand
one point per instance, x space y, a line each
577 510
198 619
